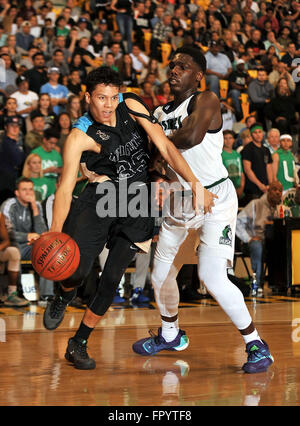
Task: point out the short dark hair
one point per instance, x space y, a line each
102 75
21 180
57 51
37 54
195 54
51 133
229 132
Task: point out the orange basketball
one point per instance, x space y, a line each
55 256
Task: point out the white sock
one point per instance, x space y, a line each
250 337
169 330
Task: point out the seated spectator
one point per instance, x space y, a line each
280 71
73 108
164 93
251 227
109 61
74 84
83 31
8 84
24 38
77 64
57 92
228 116
260 92
117 38
273 140
139 59
35 29
10 255
115 49
44 108
256 44
26 99
271 41
249 121
284 38
25 216
61 28
10 110
66 12
51 158
107 37
48 35
15 52
96 44
27 60
257 163
269 60
63 127
11 158
37 76
226 42
32 170
34 137
148 96
58 61
60 43
127 71
269 16
238 81
246 138
281 110
232 160
27 10
82 49
177 40
284 167
9 19
153 67
252 62
290 56
218 67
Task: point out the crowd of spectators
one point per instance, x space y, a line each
252 50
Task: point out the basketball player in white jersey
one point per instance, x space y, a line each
193 122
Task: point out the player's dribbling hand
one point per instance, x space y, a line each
32 237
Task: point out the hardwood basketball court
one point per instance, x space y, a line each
33 370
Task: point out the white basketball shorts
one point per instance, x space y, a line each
216 229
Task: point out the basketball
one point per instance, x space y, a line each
55 256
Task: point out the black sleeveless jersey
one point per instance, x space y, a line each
124 148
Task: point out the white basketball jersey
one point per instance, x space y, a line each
204 158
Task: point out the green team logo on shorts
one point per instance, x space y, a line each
226 236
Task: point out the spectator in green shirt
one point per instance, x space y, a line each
51 158
43 187
284 163
232 160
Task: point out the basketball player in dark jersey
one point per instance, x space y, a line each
111 145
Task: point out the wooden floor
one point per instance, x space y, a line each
33 370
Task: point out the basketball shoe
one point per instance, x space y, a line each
55 310
154 344
76 354
259 357
138 296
